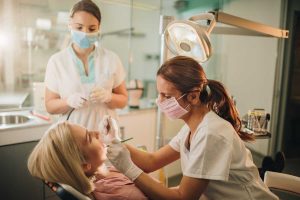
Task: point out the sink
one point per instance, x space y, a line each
19 119
13 119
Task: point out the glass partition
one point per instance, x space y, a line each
144 44
33 30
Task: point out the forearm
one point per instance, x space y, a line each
142 159
189 188
150 162
156 190
57 106
121 157
117 101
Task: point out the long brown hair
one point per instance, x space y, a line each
186 74
87 6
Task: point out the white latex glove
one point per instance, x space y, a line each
119 156
109 129
76 100
100 94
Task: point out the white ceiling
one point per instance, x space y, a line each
61 5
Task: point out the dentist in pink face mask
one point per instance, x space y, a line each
171 107
214 160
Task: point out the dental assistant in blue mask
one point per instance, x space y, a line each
85 78
215 162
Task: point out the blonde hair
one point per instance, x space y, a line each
57 158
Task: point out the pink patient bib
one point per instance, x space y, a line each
117 187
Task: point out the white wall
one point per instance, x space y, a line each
247 62
145 21
114 18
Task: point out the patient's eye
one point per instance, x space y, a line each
88 136
96 134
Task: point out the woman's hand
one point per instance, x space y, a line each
101 95
76 100
109 129
119 156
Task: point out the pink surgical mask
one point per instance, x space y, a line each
172 108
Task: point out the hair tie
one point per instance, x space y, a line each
207 88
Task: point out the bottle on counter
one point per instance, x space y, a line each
250 120
266 121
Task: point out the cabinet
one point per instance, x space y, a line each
141 125
16 182
169 129
49 194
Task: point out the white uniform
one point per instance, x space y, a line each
218 154
65 76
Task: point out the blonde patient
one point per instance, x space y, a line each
72 155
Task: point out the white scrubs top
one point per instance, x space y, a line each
218 154
65 76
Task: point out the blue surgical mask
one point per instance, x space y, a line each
84 40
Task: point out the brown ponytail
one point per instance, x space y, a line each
218 100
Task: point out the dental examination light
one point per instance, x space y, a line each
188 38
191 38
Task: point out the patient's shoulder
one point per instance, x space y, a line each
117 186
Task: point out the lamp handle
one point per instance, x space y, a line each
205 16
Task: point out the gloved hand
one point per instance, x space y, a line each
100 94
76 100
119 156
109 129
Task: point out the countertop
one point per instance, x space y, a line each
32 122
40 121
144 105
34 128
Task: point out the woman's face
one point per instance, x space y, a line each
85 22
166 89
91 146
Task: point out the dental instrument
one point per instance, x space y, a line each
125 140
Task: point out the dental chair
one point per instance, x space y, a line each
66 192
285 186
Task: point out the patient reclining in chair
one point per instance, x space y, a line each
72 155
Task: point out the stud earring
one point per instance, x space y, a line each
215 108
